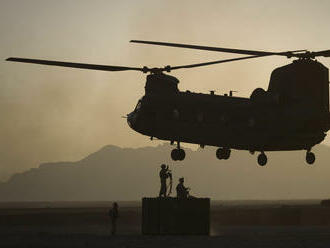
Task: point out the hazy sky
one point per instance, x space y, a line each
53 114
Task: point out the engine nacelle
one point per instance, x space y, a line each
259 95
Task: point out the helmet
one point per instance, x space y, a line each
163 166
181 179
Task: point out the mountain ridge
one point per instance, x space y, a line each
114 173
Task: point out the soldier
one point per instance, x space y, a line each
181 191
163 174
113 213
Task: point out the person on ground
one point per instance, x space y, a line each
113 214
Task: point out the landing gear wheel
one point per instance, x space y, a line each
310 157
262 159
175 154
219 153
226 153
178 154
223 153
182 154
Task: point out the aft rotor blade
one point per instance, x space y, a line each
325 53
216 49
76 65
215 62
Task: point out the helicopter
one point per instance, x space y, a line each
292 114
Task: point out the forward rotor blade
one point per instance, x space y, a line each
215 62
216 49
76 65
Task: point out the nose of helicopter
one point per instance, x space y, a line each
131 119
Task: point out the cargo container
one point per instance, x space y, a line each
176 216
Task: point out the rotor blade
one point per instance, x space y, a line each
325 53
215 62
216 49
75 65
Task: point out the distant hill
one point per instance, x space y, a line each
114 173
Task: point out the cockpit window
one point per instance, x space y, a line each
138 106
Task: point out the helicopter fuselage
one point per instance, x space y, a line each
267 121
226 121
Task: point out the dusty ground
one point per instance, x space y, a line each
87 225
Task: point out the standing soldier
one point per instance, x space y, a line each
164 174
113 213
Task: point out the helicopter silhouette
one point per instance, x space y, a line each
292 114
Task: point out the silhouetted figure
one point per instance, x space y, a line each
181 191
113 213
164 174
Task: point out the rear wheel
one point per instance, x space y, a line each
218 153
262 159
226 153
310 158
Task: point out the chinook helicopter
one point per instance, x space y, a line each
292 114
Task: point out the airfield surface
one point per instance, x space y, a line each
233 225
